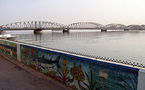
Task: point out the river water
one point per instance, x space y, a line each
123 45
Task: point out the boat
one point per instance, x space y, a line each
8 37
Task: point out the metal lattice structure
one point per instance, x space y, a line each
33 25
45 25
115 26
85 25
136 27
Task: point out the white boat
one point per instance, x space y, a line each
8 37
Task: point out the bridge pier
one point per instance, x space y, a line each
65 30
126 29
1 32
103 30
38 31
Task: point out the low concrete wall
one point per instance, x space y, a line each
79 72
9 48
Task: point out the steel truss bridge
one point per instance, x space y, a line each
45 25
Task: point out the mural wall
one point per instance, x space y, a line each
8 48
80 73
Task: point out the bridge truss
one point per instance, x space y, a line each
85 25
45 25
33 25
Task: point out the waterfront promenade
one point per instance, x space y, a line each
14 77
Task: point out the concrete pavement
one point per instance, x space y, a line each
13 77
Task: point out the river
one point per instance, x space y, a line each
123 45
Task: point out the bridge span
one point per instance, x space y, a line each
45 25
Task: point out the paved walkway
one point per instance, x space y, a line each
13 77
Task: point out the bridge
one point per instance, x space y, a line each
45 25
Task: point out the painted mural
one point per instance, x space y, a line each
80 73
8 48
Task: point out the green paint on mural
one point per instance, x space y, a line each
76 73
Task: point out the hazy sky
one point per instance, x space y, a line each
69 11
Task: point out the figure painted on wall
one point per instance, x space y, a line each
103 76
32 52
44 61
25 52
38 60
79 73
63 73
8 49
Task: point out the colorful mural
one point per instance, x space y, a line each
80 73
8 48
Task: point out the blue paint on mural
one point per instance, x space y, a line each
79 72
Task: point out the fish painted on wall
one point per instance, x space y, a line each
47 61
